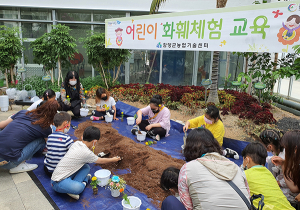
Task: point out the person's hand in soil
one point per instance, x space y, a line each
107 160
148 127
297 198
277 161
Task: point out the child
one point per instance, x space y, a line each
105 104
169 180
72 172
272 141
48 94
58 142
261 180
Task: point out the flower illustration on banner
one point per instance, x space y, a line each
256 48
107 42
119 39
290 32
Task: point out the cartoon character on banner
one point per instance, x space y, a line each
290 32
119 39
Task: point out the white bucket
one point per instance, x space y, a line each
4 103
130 120
102 176
84 112
108 118
141 137
57 95
182 148
11 92
115 193
135 202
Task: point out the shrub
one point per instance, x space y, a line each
90 82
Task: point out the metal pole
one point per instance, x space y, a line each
195 68
160 66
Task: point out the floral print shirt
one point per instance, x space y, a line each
64 96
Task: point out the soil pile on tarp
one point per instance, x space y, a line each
287 123
145 163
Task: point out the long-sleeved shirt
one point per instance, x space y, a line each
64 95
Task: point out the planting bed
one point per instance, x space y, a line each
145 163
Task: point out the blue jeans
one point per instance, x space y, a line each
28 151
73 184
172 203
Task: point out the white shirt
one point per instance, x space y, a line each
109 103
34 105
78 155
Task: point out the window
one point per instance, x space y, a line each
35 14
177 67
67 15
33 30
9 13
296 89
204 62
100 16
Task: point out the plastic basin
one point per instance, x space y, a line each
135 202
108 119
84 112
103 176
141 137
130 120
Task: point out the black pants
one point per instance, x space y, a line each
47 171
102 114
75 109
172 203
160 131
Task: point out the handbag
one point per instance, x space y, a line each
253 197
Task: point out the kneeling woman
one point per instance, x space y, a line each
158 125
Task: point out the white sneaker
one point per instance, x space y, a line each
76 197
23 167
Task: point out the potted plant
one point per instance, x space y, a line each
122 115
94 183
116 185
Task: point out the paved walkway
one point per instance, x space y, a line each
18 191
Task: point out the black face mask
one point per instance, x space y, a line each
155 111
104 98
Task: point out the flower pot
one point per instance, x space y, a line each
115 193
84 112
108 118
95 191
103 176
130 120
135 203
141 136
122 119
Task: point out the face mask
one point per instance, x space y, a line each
155 111
208 121
73 82
66 130
104 98
244 168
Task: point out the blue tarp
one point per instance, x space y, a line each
171 145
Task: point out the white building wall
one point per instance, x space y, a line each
122 5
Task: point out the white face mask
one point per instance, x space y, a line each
73 82
66 130
208 121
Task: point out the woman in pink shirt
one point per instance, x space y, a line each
158 125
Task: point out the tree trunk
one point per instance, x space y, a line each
52 79
227 69
213 94
104 75
6 78
12 74
118 72
274 69
151 66
59 71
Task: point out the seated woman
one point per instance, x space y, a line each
158 125
261 180
272 141
71 94
48 94
24 134
204 180
104 103
211 120
291 163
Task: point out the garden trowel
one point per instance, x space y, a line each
184 138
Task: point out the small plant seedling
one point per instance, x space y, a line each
127 201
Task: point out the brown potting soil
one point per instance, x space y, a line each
145 163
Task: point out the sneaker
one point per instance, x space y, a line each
93 112
229 153
134 131
93 118
89 177
45 151
76 197
157 137
23 167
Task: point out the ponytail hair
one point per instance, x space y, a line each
272 136
48 94
156 99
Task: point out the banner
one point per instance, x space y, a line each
269 27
